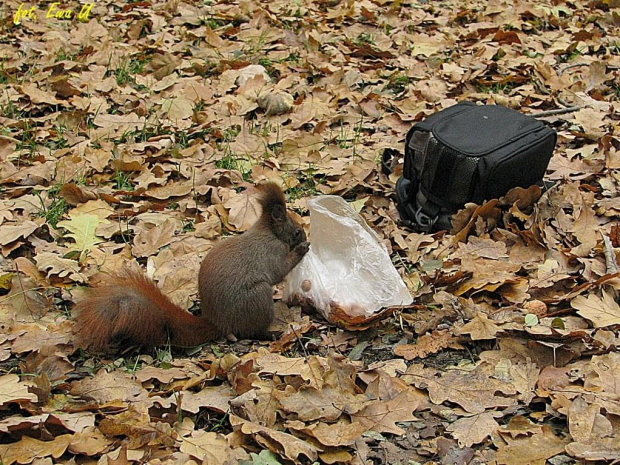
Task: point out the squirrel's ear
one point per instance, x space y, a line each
278 213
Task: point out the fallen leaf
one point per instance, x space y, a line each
27 449
382 416
473 430
601 312
13 390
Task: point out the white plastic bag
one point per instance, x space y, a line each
347 274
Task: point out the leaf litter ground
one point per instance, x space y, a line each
134 137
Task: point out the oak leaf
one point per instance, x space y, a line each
81 229
586 423
336 434
473 430
481 327
474 391
382 416
427 344
12 232
53 264
532 450
148 242
13 390
208 447
603 449
601 312
107 387
27 449
284 444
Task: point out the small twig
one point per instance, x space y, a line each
610 258
303 348
557 111
572 65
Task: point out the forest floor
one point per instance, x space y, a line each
132 134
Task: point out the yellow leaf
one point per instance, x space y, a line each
82 231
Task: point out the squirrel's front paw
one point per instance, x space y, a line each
302 248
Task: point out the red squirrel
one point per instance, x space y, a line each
234 283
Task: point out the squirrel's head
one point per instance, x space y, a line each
274 213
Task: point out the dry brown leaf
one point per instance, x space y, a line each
178 108
27 449
260 404
533 450
336 434
311 369
473 430
282 443
485 248
52 264
12 232
216 398
163 64
586 423
601 312
13 390
169 190
89 442
326 404
148 242
35 337
604 449
138 429
381 415
474 391
163 375
427 344
600 376
481 327
244 211
211 448
25 303
524 376
107 387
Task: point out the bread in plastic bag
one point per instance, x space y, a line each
347 274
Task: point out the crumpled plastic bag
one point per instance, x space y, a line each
347 274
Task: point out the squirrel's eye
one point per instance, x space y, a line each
298 233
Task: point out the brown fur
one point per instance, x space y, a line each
235 286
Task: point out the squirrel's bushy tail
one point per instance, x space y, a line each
130 309
271 196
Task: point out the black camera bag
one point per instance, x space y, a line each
468 153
